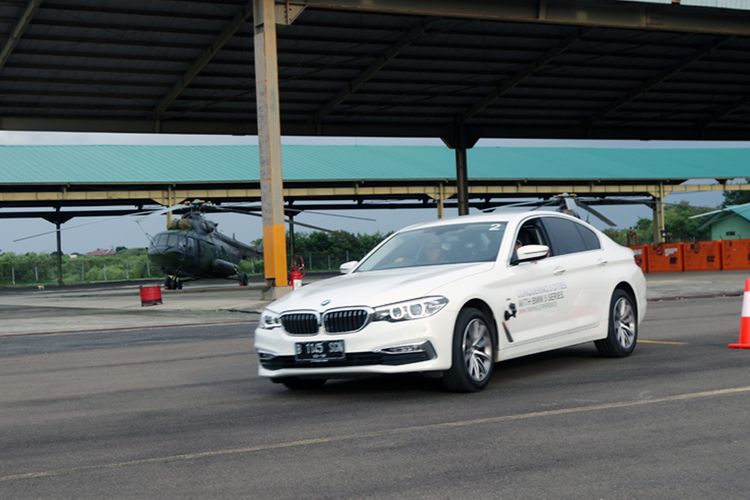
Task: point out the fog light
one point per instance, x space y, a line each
425 347
404 348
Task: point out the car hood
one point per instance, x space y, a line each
375 288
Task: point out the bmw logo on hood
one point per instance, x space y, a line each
325 302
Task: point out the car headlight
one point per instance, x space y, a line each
270 320
410 309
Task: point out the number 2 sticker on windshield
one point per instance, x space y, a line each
495 227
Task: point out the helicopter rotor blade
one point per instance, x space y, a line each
240 209
296 222
552 201
310 226
597 214
570 204
512 205
329 215
68 228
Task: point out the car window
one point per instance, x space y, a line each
589 238
531 233
564 236
445 244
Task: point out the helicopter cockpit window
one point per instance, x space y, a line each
160 240
176 241
190 246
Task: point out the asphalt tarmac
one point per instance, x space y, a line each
178 412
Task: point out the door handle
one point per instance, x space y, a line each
558 271
601 262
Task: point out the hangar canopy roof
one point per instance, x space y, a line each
115 164
514 68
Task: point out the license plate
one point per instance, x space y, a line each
322 351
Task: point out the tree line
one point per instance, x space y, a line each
320 251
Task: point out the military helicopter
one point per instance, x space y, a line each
193 248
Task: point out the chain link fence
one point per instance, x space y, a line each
41 269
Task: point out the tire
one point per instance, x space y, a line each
473 353
622 333
302 384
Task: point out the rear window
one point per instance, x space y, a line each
589 238
564 236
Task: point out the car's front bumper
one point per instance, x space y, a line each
380 348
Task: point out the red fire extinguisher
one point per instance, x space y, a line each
296 272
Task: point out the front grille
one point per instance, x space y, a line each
300 323
352 359
349 320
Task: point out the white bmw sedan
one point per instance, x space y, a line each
454 297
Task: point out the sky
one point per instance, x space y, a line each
124 231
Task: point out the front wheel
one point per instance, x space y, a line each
473 353
622 334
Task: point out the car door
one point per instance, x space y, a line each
580 262
537 295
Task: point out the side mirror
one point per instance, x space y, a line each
347 267
531 252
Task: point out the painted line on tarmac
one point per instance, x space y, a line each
374 434
661 342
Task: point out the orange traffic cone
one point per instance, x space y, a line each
744 341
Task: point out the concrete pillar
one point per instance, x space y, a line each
441 202
269 145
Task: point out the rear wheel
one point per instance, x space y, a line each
622 335
473 353
301 384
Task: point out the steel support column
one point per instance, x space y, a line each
58 256
269 144
459 138
658 224
461 180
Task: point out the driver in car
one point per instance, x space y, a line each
433 252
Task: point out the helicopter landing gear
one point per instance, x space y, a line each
243 278
172 283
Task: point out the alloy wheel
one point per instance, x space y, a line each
477 349
624 322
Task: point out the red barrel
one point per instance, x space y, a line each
150 295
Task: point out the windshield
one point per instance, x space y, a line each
450 244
